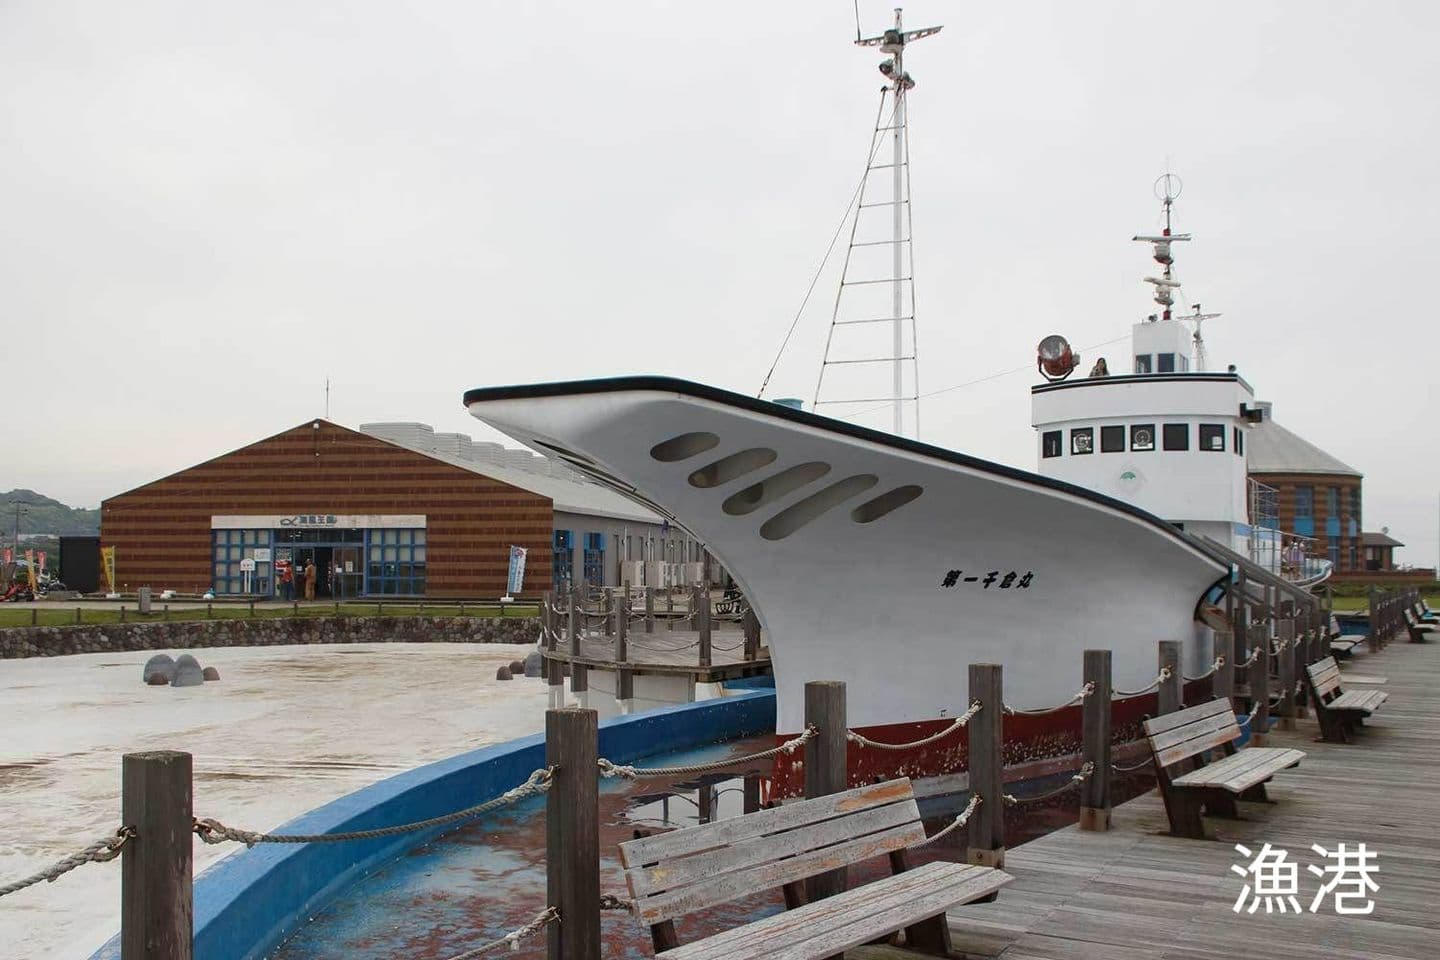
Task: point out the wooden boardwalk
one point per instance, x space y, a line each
1134 893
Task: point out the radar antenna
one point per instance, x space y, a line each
1167 189
850 299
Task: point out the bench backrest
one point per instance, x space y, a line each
672 874
1187 733
1334 626
1324 677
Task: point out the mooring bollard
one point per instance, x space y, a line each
1168 696
1095 734
572 834
986 846
825 759
156 906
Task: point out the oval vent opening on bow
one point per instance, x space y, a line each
795 516
728 468
770 489
872 510
684 446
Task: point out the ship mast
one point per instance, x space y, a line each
1167 190
892 42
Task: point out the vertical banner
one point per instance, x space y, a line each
515 582
30 570
42 562
107 561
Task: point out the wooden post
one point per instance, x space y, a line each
572 834
609 612
572 626
825 759
649 609
34 616
625 690
164 611
77 615
547 622
1223 683
209 611
1285 675
705 795
1259 682
750 798
122 613
1095 733
580 683
156 909
252 608
1168 696
987 824
751 626
1305 641
669 609
294 608
555 682
622 627
702 601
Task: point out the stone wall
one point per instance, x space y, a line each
18 642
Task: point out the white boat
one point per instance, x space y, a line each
892 564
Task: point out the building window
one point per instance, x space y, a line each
228 549
1050 443
1164 363
1212 437
1332 501
1177 436
1238 442
1082 440
1334 553
1305 511
1142 363
595 558
1354 557
1351 533
1142 436
1112 439
1182 362
396 560
562 560
1354 509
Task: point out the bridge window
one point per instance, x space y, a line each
1082 440
1238 442
1142 436
1142 363
1212 437
1050 443
1164 363
1177 436
1112 439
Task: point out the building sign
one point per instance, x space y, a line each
261 554
339 521
247 565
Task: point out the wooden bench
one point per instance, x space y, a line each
677 873
1183 742
1339 711
1418 630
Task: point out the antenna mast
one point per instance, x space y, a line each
899 83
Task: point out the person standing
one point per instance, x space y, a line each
287 581
310 579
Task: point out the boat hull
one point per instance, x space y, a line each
987 564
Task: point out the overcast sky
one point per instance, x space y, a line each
208 208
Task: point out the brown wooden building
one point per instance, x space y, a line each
377 518
1318 496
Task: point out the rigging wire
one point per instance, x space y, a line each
877 142
971 383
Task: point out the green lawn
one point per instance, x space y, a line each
1352 604
44 614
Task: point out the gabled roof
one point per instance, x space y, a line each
1273 449
1379 540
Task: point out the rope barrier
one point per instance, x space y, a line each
608 901
213 831
960 722
1139 766
954 825
1080 695
1075 781
1254 655
512 939
609 769
1219 662
1160 678
101 851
